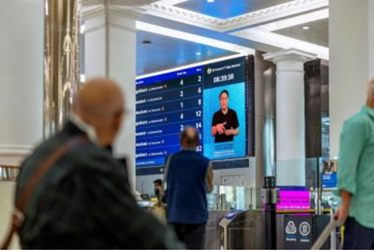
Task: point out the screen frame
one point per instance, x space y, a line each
239 162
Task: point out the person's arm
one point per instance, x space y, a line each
342 213
214 130
236 131
352 142
214 123
219 128
232 132
209 179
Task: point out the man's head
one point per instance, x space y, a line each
189 138
100 103
157 186
370 94
224 99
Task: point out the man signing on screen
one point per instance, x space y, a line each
225 123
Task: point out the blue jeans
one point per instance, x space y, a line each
356 236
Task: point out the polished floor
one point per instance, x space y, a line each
6 200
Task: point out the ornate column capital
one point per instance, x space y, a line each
115 13
290 60
118 2
131 8
290 55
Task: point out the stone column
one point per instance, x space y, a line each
290 116
61 64
110 50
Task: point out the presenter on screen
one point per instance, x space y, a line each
225 123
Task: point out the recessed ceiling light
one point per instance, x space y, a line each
198 53
210 1
306 28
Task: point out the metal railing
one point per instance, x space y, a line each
329 231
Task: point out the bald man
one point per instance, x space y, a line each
84 201
189 177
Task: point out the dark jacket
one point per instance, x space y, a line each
85 202
186 188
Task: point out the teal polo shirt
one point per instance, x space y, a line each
356 165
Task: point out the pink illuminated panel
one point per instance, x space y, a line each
294 200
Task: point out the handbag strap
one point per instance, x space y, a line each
23 200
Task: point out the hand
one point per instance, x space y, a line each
341 215
229 132
221 128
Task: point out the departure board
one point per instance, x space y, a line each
167 103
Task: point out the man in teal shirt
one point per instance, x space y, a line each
356 177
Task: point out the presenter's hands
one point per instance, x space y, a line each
221 128
229 132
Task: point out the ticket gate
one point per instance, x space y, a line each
212 229
242 230
301 231
246 230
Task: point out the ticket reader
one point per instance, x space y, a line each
300 231
242 230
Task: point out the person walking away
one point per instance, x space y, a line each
189 177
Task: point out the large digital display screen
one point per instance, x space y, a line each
212 98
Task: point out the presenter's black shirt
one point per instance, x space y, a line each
231 120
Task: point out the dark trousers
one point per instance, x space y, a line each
357 236
192 235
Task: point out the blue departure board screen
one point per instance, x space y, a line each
212 98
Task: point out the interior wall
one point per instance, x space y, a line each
21 88
110 50
371 38
349 61
21 78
